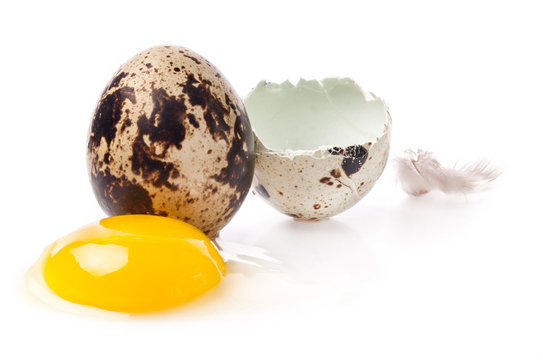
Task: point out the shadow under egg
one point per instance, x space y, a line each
327 252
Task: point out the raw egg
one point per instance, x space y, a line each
132 264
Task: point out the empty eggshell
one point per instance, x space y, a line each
171 137
320 146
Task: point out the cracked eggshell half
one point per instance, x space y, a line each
320 146
171 137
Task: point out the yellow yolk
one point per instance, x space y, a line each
133 263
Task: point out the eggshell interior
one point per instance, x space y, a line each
313 114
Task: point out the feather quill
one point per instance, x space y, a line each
419 173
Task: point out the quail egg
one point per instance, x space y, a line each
171 137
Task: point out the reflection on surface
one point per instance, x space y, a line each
99 260
327 252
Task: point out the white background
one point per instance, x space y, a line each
392 278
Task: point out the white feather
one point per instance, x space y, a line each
419 172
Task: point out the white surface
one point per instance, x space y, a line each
392 278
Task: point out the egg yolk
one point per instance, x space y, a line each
133 263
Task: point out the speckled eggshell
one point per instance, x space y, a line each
314 185
171 137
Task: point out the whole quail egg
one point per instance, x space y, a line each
320 146
171 137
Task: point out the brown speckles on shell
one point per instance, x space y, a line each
326 180
322 183
177 129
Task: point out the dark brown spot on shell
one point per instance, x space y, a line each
354 157
324 180
108 114
261 190
193 59
229 102
238 173
239 170
335 173
127 122
199 94
165 129
119 196
117 79
193 121
316 206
